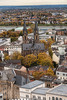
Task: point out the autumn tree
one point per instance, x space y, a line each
37 75
49 42
44 59
6 56
16 55
45 43
50 72
30 30
50 52
32 26
30 60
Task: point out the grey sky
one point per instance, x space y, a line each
31 2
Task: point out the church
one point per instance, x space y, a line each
33 47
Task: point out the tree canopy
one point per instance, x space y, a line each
44 59
30 60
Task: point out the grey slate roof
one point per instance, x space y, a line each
38 67
32 84
41 91
12 61
36 46
7 75
59 90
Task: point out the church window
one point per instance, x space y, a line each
25 37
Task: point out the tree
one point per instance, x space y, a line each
44 59
7 57
30 30
50 52
45 43
50 72
14 39
32 26
30 60
49 42
37 75
16 55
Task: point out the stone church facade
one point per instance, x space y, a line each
35 46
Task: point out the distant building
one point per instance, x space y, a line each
57 93
26 91
62 72
48 80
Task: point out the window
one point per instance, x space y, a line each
63 74
36 37
57 73
39 98
44 98
25 37
34 97
60 99
53 98
56 98
27 96
49 98
0 96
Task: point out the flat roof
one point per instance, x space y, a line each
59 90
41 91
32 84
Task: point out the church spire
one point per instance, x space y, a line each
24 28
36 34
25 34
36 28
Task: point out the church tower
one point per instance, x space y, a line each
36 34
25 34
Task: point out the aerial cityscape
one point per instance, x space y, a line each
33 50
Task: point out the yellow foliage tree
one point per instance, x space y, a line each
16 55
7 57
37 75
45 43
50 72
44 59
30 60
50 42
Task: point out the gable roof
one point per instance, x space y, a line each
59 90
32 84
36 46
41 91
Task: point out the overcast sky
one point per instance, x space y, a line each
32 2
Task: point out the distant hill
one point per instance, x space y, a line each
33 7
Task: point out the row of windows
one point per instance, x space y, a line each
34 97
39 98
53 98
63 74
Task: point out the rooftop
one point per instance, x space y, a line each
32 84
62 69
41 91
59 90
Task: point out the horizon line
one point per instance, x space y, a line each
34 5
